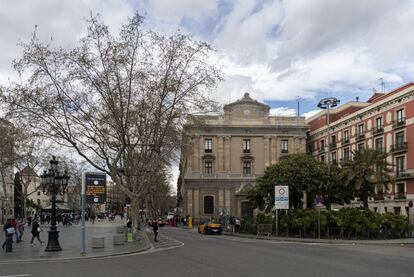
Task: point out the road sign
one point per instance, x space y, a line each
282 197
319 200
95 187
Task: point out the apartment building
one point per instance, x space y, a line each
386 123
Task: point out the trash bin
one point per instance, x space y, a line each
9 242
129 237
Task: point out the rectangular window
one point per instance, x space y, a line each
322 158
379 145
333 157
246 145
247 168
208 145
208 204
400 116
400 165
322 144
361 146
333 141
378 123
399 138
360 129
346 136
208 167
284 146
346 154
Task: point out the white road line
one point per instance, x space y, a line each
19 275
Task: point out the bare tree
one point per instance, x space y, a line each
119 101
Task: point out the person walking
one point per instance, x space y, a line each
155 229
7 230
35 232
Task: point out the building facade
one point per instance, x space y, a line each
386 123
224 154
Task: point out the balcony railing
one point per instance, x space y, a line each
379 196
399 147
208 150
220 175
345 141
332 145
321 150
399 123
284 151
400 195
404 174
360 136
378 130
246 151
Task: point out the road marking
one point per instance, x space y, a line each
18 275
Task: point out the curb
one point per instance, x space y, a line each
312 241
146 247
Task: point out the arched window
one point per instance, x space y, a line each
208 204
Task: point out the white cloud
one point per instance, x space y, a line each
283 111
310 113
169 10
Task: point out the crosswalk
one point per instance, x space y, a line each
164 242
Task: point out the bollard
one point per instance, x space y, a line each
190 222
129 237
9 243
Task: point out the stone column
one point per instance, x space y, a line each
190 204
196 153
266 150
220 153
220 199
196 204
227 153
227 199
273 151
201 153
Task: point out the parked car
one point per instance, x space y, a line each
210 228
161 222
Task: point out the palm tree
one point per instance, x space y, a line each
369 168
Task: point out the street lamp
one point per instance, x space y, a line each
53 183
327 103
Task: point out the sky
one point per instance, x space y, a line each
279 51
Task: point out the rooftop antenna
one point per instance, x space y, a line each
382 84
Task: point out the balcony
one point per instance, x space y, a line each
345 141
332 145
246 151
400 195
284 151
399 123
208 150
378 130
399 147
360 136
321 150
404 174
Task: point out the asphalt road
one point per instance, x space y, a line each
182 252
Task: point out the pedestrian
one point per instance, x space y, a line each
29 221
129 225
20 227
7 228
36 232
155 228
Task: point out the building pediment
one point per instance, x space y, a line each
246 109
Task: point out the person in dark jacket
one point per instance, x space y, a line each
36 232
6 226
155 227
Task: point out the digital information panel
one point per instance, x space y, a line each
95 188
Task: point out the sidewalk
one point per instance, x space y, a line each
70 242
395 242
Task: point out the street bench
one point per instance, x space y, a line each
264 229
98 242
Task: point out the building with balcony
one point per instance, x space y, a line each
222 155
386 123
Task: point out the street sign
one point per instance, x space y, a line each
319 200
282 197
95 187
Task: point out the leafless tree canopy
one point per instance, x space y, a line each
119 100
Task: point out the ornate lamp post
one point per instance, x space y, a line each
327 103
53 183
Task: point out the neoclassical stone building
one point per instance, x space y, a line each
224 154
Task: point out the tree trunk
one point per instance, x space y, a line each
365 196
